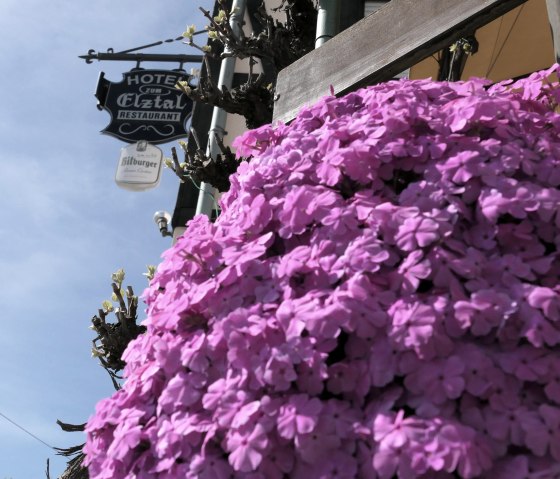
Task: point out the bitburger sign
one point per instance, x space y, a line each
145 105
139 167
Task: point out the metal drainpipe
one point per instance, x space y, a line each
328 21
553 7
205 202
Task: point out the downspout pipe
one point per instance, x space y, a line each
206 202
328 21
553 7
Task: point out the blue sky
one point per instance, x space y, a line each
64 224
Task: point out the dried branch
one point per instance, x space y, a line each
71 427
253 100
200 168
278 45
75 468
453 59
113 338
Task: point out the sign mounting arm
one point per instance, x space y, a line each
140 57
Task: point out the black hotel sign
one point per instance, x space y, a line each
145 105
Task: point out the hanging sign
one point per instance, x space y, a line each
145 105
139 167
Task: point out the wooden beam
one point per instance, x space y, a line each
553 7
394 38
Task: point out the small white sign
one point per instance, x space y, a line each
139 167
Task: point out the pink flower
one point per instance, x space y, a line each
365 254
127 437
438 380
389 462
537 329
552 388
511 468
542 431
183 390
208 467
462 166
526 363
319 444
340 465
413 327
479 370
547 300
298 416
303 205
457 447
311 374
413 270
417 232
486 310
279 371
246 449
343 377
395 431
278 463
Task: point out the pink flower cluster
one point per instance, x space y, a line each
379 298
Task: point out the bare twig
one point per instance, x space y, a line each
278 44
71 427
113 338
200 168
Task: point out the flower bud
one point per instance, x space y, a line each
107 306
189 32
118 276
220 17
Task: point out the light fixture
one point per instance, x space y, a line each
162 220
